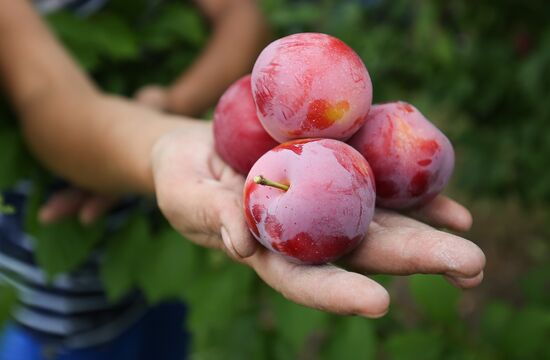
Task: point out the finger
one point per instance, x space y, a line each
153 96
392 219
444 212
409 250
466 283
61 204
326 287
95 206
205 206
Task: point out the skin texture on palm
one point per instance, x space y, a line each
202 198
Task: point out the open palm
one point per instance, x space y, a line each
201 196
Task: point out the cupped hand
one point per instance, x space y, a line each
74 201
198 193
201 196
153 96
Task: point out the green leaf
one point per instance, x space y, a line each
415 344
495 320
217 296
243 339
14 160
5 208
66 244
536 285
113 38
175 24
436 298
352 338
296 324
171 266
527 334
125 254
8 299
94 39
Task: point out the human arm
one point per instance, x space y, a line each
236 24
233 22
108 143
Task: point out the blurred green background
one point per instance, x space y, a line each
479 70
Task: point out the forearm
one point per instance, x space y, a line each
32 62
94 140
102 144
239 34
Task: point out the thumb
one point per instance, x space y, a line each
236 236
209 211
228 220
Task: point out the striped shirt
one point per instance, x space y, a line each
79 7
72 310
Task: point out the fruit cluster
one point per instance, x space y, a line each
312 197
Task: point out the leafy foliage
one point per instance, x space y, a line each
5 208
479 71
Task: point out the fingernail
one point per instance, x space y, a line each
226 238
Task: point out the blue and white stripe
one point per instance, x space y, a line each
80 7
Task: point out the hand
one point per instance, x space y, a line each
154 96
74 201
202 198
198 193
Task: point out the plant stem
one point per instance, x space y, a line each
263 181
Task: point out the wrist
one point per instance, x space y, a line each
176 101
134 131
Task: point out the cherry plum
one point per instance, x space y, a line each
240 138
310 200
311 85
411 159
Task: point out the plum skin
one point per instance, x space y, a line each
411 159
311 85
239 137
327 209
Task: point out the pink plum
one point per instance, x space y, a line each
310 200
411 159
311 85
240 138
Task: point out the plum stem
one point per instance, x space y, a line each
260 180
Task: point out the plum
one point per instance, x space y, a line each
310 200
240 138
411 159
311 85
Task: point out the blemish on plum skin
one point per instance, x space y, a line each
257 212
344 157
273 227
249 216
424 162
321 114
321 250
406 107
295 146
263 94
387 136
429 146
419 183
341 49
